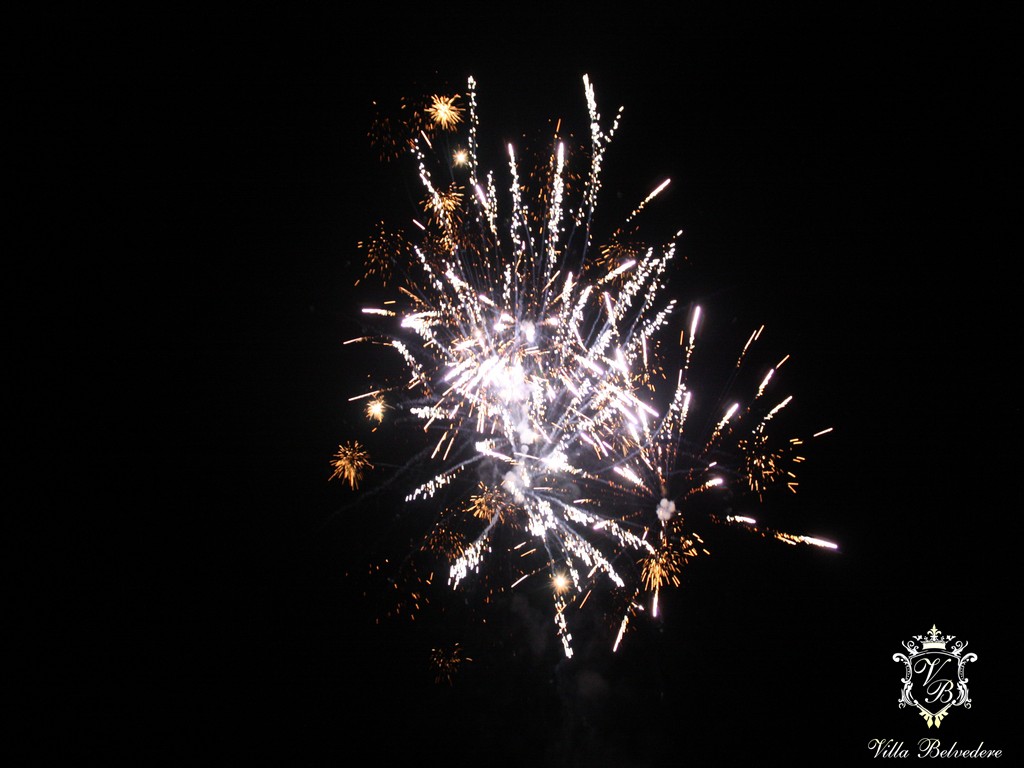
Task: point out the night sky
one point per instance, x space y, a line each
194 190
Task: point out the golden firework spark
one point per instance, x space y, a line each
787 538
444 206
445 210
446 663
349 463
489 502
443 539
763 465
460 157
408 591
444 111
396 126
375 409
560 583
662 567
814 541
383 249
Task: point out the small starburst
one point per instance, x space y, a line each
490 501
560 583
349 463
444 111
375 409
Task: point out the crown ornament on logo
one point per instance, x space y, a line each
933 640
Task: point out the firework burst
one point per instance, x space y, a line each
445 112
375 409
349 463
529 353
446 662
383 249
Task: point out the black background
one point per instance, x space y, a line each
190 192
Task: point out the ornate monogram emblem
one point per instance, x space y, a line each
934 679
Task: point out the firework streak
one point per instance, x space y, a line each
531 357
